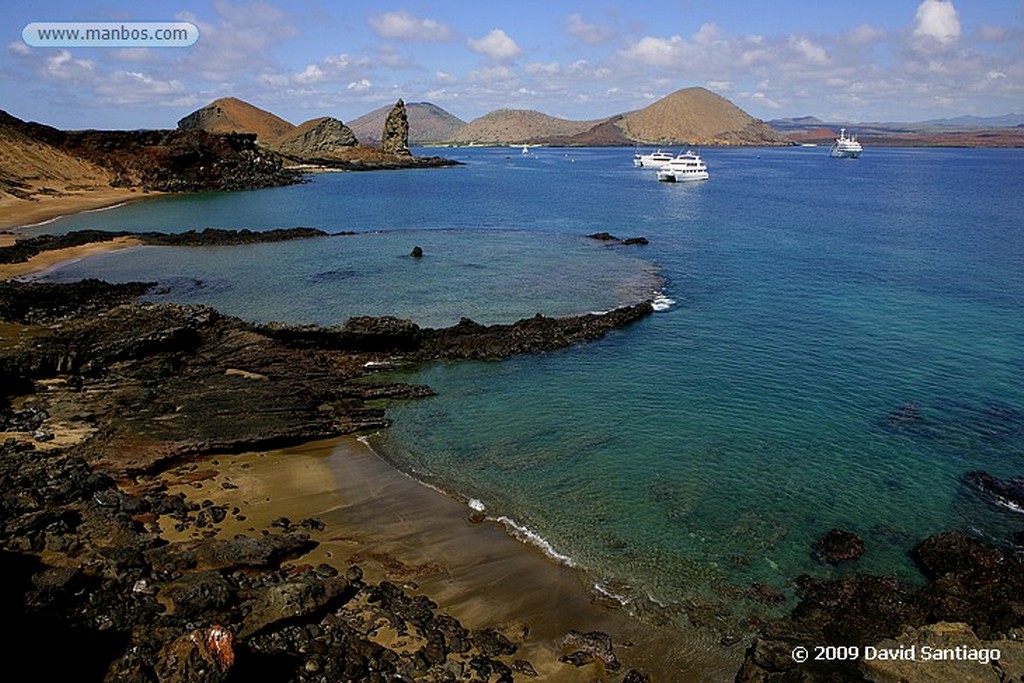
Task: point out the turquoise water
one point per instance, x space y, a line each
709 445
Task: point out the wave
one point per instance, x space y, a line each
106 208
518 531
660 302
526 535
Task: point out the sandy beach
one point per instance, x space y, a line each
50 259
399 530
15 213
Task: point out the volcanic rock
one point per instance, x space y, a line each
838 546
395 138
316 138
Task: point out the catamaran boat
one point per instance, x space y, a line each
652 160
845 147
684 167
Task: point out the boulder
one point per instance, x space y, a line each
291 601
204 655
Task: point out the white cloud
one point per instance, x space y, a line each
497 45
63 67
333 68
937 21
865 34
402 25
361 85
806 48
656 51
593 34
492 74
18 47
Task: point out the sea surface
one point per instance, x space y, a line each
839 341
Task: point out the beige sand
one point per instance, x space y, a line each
20 212
397 529
49 259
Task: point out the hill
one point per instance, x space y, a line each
518 126
700 117
232 115
693 116
428 123
31 168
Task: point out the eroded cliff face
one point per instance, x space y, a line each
320 137
162 160
395 138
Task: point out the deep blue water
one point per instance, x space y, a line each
710 444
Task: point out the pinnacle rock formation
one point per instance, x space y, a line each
395 138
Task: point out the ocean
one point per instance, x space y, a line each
837 343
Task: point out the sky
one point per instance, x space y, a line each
869 60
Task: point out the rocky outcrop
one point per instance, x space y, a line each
317 138
962 657
395 138
970 582
26 248
172 160
1007 493
184 380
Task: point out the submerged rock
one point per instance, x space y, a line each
838 546
1007 493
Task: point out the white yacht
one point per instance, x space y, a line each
652 160
685 167
845 147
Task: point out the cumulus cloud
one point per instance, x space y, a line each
593 34
807 49
937 22
333 68
497 45
63 67
404 26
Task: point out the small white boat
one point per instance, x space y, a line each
652 160
683 168
526 150
845 147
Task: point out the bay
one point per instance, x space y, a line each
847 340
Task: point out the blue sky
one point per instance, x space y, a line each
871 60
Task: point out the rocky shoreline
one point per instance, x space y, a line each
100 393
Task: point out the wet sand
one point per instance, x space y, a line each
21 212
398 529
50 259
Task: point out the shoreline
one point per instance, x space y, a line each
50 260
400 529
21 213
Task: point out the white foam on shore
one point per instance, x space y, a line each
603 590
1009 504
526 535
513 528
660 302
105 208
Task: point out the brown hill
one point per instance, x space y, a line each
700 117
428 123
31 167
321 137
232 115
518 126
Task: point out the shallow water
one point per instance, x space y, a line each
818 303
